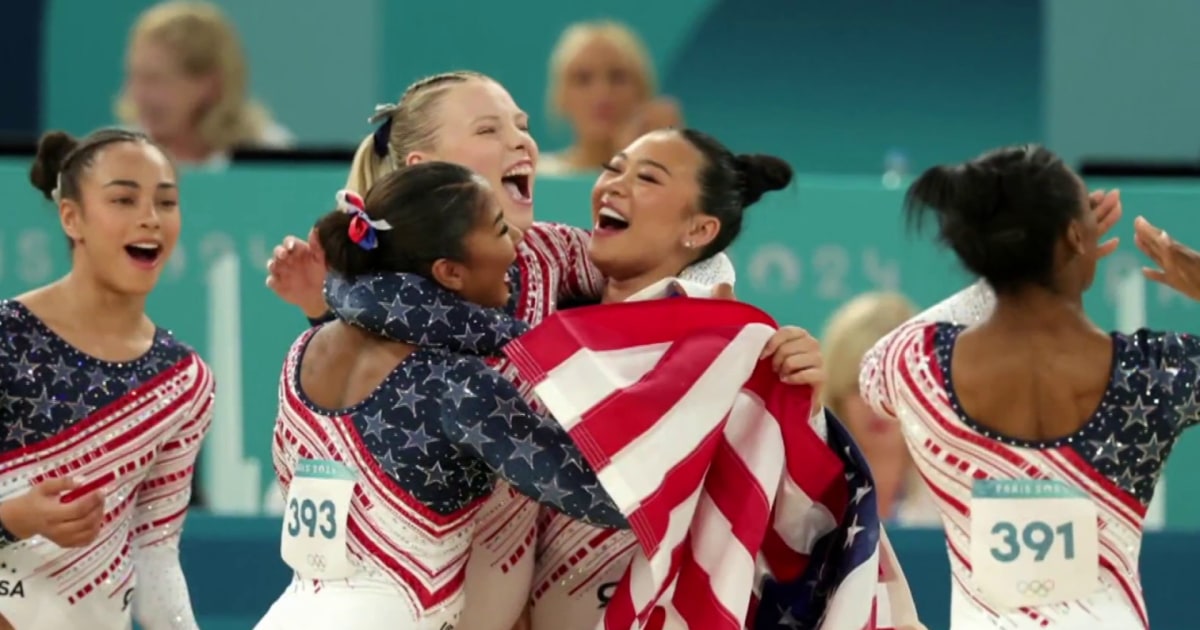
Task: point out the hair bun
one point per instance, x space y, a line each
761 174
52 149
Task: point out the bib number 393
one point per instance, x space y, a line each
313 543
1033 542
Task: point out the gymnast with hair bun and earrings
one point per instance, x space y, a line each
1040 436
103 411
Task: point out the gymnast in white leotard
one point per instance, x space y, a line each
1040 435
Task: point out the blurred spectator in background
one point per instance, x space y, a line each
186 86
602 83
851 331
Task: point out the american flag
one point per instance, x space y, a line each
746 516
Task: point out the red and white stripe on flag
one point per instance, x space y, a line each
712 459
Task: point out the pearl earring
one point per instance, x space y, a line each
688 244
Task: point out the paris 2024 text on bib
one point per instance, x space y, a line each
1033 542
313 543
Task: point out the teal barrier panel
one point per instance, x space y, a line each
803 252
234 572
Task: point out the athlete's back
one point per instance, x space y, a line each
1040 436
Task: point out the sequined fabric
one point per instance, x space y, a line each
133 428
48 387
1116 456
552 269
432 439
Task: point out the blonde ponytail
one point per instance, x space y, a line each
410 125
367 167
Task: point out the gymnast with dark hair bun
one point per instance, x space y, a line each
1041 436
104 412
670 200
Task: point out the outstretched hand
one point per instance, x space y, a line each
296 273
1178 264
1106 206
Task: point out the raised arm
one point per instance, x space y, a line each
486 416
161 600
566 248
296 273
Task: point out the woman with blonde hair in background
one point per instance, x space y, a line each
602 82
186 86
469 119
852 330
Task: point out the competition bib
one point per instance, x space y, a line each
313 543
1033 542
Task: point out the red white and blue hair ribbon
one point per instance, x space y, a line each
362 227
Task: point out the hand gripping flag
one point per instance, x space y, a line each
749 510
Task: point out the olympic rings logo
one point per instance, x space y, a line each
316 561
1037 588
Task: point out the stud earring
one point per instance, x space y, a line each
688 244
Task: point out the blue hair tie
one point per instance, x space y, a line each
383 133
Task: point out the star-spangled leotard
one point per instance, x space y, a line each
1115 458
428 443
132 428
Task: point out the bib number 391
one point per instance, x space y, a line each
313 542
1033 542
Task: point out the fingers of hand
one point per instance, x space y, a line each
1150 240
780 337
811 376
83 507
1156 275
75 533
1108 247
724 291
1150 233
55 486
796 355
72 523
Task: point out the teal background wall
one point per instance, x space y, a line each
804 251
1120 78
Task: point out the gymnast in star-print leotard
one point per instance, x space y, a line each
387 450
473 121
101 412
1040 436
